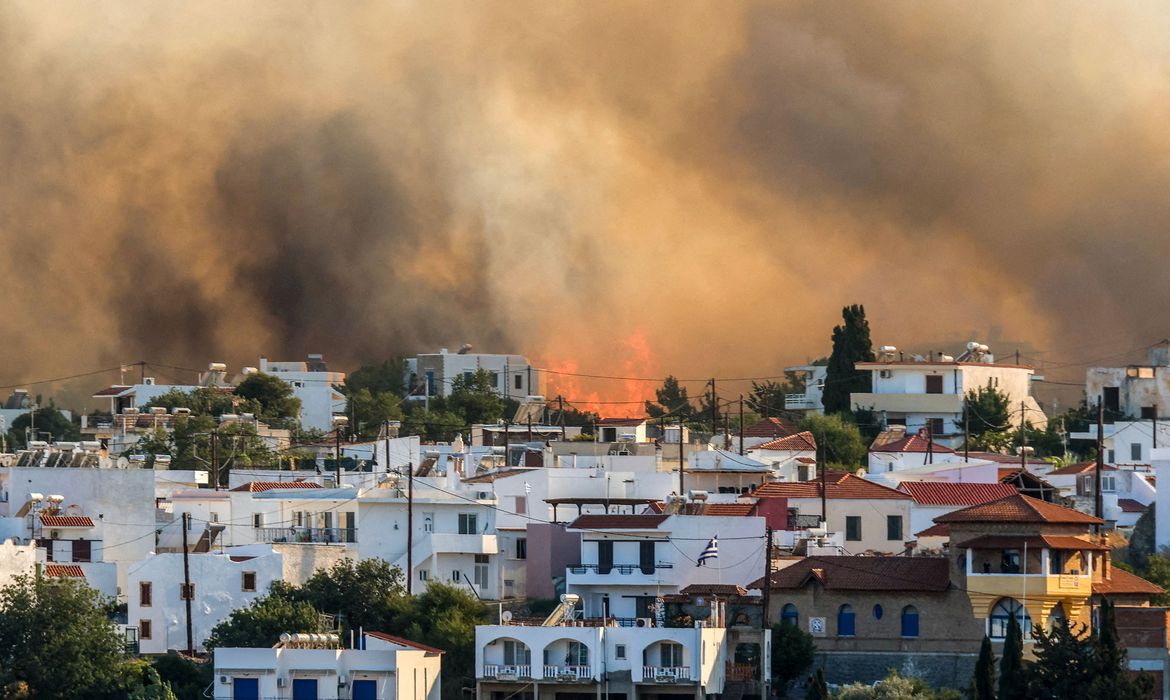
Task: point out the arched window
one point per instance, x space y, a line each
789 615
909 621
1057 618
878 611
1004 610
846 621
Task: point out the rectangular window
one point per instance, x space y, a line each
619 651
937 426
81 550
495 379
467 375
521 505
456 576
1135 451
423 575
480 575
145 594
1111 458
853 528
257 520
144 629
468 523
298 519
1148 412
519 381
186 591
248 584
522 548
214 517
893 527
934 384
1111 395
481 558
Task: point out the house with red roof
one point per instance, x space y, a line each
895 450
791 457
932 499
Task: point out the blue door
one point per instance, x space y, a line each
245 689
304 689
365 690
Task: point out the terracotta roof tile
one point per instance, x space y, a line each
64 570
617 522
770 428
1128 505
1064 542
404 642
840 485
945 493
1121 582
262 486
936 530
1017 508
66 520
800 442
911 443
713 589
847 573
1080 468
111 391
728 509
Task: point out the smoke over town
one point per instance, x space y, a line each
186 182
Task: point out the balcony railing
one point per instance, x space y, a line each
622 569
797 402
568 673
307 535
666 674
507 671
741 672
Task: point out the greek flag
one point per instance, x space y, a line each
527 488
711 551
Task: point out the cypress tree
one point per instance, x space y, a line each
984 681
851 343
1013 682
819 689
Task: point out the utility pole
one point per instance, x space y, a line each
714 409
929 441
409 527
767 579
215 456
966 431
1098 505
561 413
824 485
187 592
142 371
1155 424
1023 440
682 464
741 425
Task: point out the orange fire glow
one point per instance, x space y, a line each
610 398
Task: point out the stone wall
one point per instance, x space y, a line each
940 670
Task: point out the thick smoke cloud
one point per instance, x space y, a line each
707 182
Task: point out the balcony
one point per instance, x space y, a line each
452 543
505 672
910 403
568 674
307 535
666 674
800 402
618 574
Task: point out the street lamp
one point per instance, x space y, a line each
339 422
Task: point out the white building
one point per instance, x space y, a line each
433 374
929 392
792 458
315 385
17 560
1135 391
814 388
381 667
1128 443
220 583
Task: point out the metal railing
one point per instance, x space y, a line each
308 535
741 672
622 569
507 670
666 673
580 673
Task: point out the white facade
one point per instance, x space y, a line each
316 388
380 669
814 388
222 584
1128 443
433 374
17 560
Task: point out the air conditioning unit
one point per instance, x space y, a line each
645 622
225 680
484 495
886 374
54 534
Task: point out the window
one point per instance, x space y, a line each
456 575
519 381
1112 397
789 615
480 573
1108 483
1149 412
846 621
937 426
1009 561
186 591
878 611
671 655
298 519
619 651
516 653
494 377
893 527
521 504
145 594
853 528
934 384
1001 615
1135 451
423 575
430 382
577 654
522 548
468 376
428 522
81 550
1111 458
467 524
213 518
909 621
144 629
1055 562
248 582
257 520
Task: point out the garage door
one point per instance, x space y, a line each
365 690
245 689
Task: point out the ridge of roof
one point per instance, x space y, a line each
803 441
947 493
262 486
840 485
858 573
1018 508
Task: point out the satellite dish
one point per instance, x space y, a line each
506 616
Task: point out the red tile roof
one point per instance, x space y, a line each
770 428
840 485
713 589
1065 542
262 486
728 509
1002 458
911 443
1121 582
632 422
1128 505
936 530
845 573
1017 508
66 520
404 642
64 570
617 522
1080 468
944 493
800 442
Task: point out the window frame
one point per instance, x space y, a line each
186 591
911 622
890 521
789 613
853 534
145 601
244 581
146 629
846 621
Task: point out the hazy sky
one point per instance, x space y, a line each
634 187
